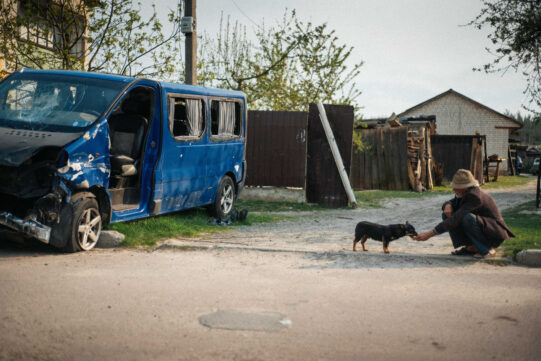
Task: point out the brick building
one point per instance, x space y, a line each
456 114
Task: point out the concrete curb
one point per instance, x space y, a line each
174 244
529 257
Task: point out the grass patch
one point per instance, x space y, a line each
191 223
277 206
525 225
375 198
508 181
503 182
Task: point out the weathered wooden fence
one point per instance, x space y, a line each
276 148
383 161
459 151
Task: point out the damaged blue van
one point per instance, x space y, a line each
80 150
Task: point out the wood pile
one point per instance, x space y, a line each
420 161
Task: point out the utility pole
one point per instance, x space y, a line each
189 26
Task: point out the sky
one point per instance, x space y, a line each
412 50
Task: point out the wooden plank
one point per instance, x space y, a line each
404 163
386 163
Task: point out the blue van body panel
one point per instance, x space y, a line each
172 174
88 161
82 74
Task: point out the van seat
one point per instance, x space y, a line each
126 131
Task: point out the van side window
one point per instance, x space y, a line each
186 117
225 118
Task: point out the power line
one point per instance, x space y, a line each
243 13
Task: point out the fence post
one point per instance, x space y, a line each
336 154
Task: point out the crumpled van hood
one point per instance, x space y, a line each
18 145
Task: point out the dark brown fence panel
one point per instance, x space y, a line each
276 148
383 163
455 152
323 183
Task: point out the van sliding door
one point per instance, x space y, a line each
181 182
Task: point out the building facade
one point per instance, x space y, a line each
40 34
456 114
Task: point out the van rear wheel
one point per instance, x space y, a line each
225 198
85 227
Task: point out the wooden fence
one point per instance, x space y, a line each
276 148
323 182
382 163
454 152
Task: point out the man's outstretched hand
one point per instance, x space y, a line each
424 236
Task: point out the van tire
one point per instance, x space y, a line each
85 225
225 198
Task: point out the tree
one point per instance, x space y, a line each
293 64
530 133
43 34
122 42
515 27
92 35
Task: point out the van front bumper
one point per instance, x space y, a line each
30 227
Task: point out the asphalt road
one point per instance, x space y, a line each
252 305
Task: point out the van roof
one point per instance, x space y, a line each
170 87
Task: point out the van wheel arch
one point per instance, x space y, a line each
100 194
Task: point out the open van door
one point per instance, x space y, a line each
134 133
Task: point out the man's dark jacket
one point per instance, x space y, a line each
481 204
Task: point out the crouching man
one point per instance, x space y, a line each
472 219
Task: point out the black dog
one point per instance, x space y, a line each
384 234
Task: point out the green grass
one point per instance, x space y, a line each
192 223
375 198
277 206
503 182
526 226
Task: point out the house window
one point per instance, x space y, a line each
41 25
225 118
186 117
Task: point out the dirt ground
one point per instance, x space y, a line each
253 300
332 231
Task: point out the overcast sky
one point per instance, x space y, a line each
412 49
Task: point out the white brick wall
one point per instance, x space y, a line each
456 115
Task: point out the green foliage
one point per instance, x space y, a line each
530 133
524 221
109 36
515 36
123 42
43 35
293 64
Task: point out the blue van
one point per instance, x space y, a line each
79 150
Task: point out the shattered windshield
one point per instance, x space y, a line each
54 102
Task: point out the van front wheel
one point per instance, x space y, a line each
225 198
86 225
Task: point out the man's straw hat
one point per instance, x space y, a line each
463 179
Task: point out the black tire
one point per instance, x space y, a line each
85 225
225 198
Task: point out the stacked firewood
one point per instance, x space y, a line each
420 157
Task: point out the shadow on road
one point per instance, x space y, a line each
14 245
377 260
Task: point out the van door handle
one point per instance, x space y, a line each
153 144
